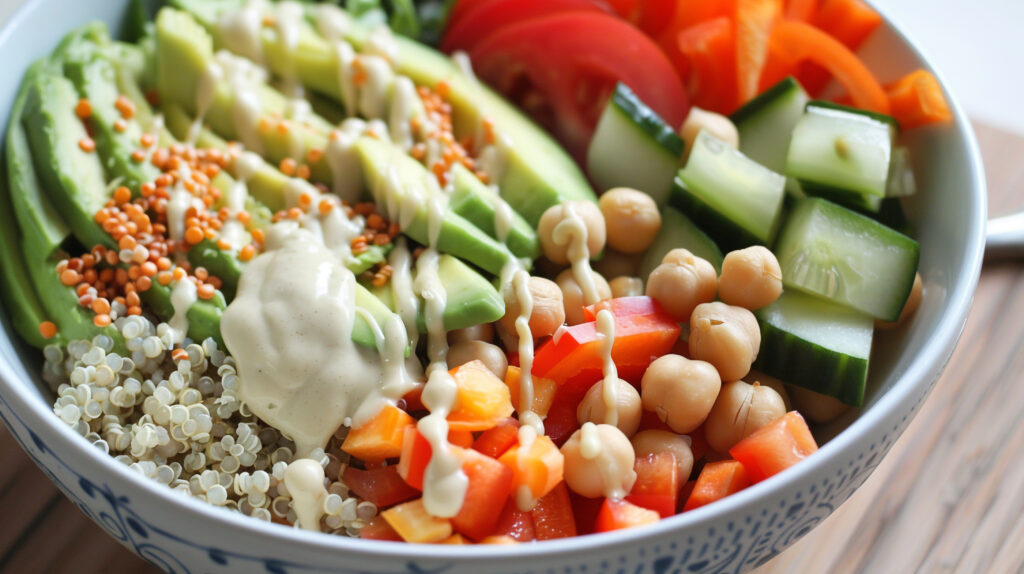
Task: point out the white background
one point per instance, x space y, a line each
977 46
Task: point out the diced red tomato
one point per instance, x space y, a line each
775 447
492 15
619 514
656 486
562 68
490 484
496 441
377 528
651 16
515 523
416 453
381 486
716 481
553 516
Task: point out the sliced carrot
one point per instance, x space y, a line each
710 49
538 466
775 447
716 481
552 516
848 21
483 400
380 438
494 442
754 22
414 524
917 99
619 514
796 42
802 10
543 391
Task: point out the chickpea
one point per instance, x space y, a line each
715 124
776 385
682 282
490 355
627 401
548 311
624 286
593 221
631 218
750 278
680 391
655 440
913 302
614 264
572 294
740 410
599 462
725 336
816 407
482 332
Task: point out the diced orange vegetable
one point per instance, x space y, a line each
500 539
496 441
710 48
543 391
802 10
460 438
381 486
377 528
552 516
716 481
414 524
795 42
483 400
689 13
416 453
490 485
657 483
538 466
917 99
754 22
619 514
380 438
848 21
455 539
515 523
775 447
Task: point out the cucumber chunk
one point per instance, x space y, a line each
830 251
766 123
737 200
816 344
678 231
901 181
633 147
841 155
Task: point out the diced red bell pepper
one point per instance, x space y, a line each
775 447
698 443
381 486
639 339
585 511
515 523
416 453
649 420
716 481
684 493
496 441
553 516
710 48
657 483
377 528
620 514
623 307
490 484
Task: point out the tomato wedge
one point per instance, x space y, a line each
651 16
561 69
491 15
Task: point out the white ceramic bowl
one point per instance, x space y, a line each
179 534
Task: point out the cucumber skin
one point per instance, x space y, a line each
766 97
806 364
827 105
648 120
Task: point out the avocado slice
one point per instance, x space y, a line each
457 236
74 178
472 199
471 299
538 172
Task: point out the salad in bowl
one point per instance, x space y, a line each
286 259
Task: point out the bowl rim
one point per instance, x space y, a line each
922 370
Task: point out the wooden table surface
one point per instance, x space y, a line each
949 497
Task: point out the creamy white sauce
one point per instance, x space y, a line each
288 21
525 499
183 295
403 100
206 91
465 65
606 329
405 301
526 390
245 80
241 31
304 479
381 42
346 169
572 231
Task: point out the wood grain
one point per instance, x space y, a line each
949 497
